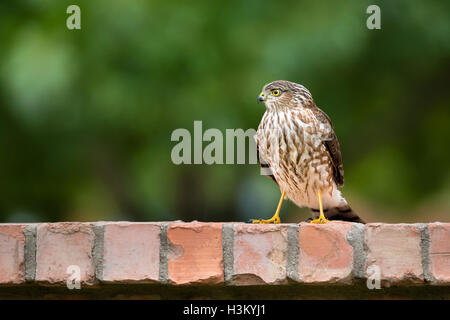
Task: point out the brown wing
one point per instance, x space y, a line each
332 145
264 165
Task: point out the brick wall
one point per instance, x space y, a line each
225 260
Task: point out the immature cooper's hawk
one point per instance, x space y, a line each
296 141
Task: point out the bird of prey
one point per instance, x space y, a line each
297 144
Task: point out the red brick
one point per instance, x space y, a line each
395 250
260 253
131 252
195 253
325 254
60 245
440 252
12 248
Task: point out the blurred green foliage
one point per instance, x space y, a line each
86 115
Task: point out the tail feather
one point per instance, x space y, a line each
344 213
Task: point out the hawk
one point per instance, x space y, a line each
296 142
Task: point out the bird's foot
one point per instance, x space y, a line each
320 220
274 219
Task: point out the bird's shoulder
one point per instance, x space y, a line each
322 117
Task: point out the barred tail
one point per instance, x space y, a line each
344 213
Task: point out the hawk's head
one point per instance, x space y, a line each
285 94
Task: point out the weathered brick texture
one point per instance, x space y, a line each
225 254
260 254
195 253
395 249
61 245
325 254
440 252
131 252
12 254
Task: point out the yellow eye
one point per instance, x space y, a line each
276 92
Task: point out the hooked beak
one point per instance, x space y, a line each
261 97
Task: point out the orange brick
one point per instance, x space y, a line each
195 253
131 252
260 253
325 254
60 245
440 251
395 250
12 248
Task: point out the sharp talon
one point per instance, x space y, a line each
319 220
274 220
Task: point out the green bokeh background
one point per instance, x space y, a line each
86 115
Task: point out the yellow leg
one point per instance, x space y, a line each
276 216
321 218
